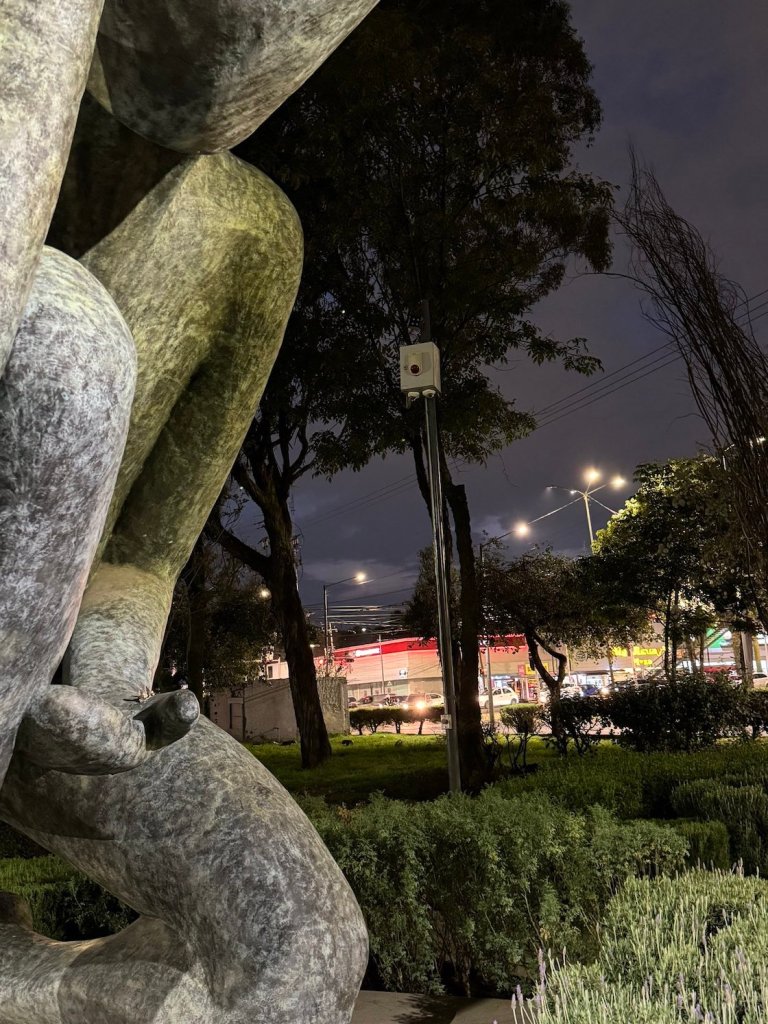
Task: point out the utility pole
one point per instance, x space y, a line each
491 715
381 662
420 378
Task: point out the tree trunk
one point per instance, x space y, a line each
468 720
315 745
553 683
194 576
278 570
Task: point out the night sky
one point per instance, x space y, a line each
686 84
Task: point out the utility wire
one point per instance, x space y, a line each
590 393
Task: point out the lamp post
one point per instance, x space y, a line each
359 577
592 476
520 530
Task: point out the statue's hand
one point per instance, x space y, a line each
70 731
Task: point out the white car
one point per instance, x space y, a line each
502 696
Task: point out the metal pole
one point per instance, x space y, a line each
491 716
325 627
441 581
585 496
381 659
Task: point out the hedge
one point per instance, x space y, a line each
689 714
463 891
640 785
372 718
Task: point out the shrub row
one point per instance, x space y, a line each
463 891
689 714
372 718
691 948
640 785
64 903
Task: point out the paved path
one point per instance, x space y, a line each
393 1008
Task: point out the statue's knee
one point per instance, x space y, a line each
66 396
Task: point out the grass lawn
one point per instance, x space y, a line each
402 767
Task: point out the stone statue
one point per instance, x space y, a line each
130 379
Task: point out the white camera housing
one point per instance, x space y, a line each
420 368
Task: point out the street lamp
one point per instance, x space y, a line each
592 476
359 577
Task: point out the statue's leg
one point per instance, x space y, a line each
64 407
142 974
199 836
200 77
45 52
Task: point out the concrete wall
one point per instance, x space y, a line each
268 710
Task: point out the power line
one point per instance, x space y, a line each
600 382
590 393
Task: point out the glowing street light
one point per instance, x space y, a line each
521 529
592 476
359 577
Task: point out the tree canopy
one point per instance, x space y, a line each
674 547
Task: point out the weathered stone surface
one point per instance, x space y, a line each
255 924
64 407
199 77
247 918
205 271
45 51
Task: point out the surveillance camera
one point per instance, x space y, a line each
420 368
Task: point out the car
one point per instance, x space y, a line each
503 695
386 700
421 701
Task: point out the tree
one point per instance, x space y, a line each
672 548
220 628
706 317
558 602
265 470
439 180
553 601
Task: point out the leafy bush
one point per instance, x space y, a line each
574 720
64 903
693 948
708 843
372 718
520 722
742 809
688 714
641 785
464 890
755 712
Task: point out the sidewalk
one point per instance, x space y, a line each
394 1008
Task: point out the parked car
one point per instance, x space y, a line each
503 695
387 700
421 701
